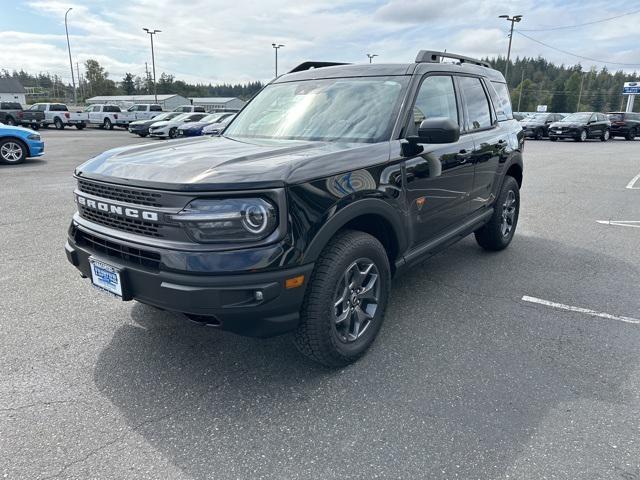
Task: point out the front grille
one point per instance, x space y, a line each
121 194
131 225
111 249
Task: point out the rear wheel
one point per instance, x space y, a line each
498 232
12 151
631 135
10 121
107 124
345 300
142 135
58 123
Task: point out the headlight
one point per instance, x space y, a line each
34 136
228 220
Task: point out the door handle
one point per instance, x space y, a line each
462 156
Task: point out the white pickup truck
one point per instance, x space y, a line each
108 116
143 111
58 114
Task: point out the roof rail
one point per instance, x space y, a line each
431 56
309 65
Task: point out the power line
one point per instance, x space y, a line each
575 54
563 27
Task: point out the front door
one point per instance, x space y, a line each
439 178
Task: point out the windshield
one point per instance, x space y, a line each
181 117
577 117
213 117
165 116
616 117
344 109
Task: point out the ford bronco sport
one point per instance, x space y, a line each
332 180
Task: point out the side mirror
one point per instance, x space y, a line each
437 130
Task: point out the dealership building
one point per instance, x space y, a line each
216 104
167 102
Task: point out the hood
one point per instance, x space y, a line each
566 124
221 163
144 123
16 128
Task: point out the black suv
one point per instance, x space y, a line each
332 180
580 126
537 125
624 124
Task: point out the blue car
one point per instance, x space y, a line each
18 143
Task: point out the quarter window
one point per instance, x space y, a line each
477 103
436 98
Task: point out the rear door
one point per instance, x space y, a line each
490 141
439 178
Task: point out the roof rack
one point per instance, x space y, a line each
309 65
431 56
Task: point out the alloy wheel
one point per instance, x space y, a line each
356 299
583 135
11 152
508 214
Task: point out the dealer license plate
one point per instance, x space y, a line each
106 277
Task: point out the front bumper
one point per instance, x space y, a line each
190 133
226 301
36 148
159 133
572 133
138 130
621 131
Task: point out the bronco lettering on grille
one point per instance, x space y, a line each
116 209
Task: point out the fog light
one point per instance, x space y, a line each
258 295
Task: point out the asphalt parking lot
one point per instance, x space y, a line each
466 380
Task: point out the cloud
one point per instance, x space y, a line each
219 41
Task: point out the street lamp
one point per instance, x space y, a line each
277 46
73 80
514 19
153 61
371 55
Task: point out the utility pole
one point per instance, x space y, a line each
371 55
73 80
153 62
514 19
580 94
276 47
79 81
520 96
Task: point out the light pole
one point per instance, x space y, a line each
73 80
514 19
276 47
153 62
371 55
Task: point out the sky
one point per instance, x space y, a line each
221 41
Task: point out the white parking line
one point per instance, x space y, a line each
586 311
621 223
633 181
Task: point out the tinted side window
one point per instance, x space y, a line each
436 98
477 103
141 108
96 108
501 101
156 108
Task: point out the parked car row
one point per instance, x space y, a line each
581 126
175 124
103 116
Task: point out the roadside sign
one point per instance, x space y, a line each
631 88
541 108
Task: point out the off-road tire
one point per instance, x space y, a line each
317 336
490 236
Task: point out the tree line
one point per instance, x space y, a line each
532 82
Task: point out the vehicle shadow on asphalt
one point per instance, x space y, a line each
459 380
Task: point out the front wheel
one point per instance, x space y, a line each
107 124
582 137
539 134
553 139
346 297
10 121
80 126
12 151
498 232
173 132
142 135
605 136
